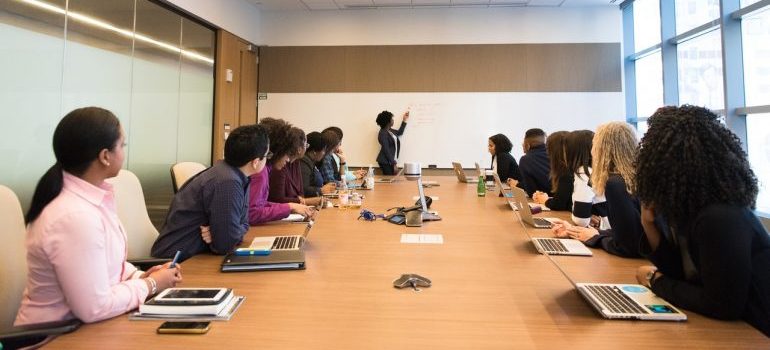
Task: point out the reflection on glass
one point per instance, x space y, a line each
700 71
758 130
649 84
646 23
107 84
155 102
745 3
693 13
196 99
756 57
32 41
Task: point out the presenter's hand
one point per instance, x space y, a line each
303 210
406 116
539 197
206 234
582 233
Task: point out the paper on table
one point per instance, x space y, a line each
422 238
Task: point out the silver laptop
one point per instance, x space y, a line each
389 179
561 246
458 168
282 243
520 201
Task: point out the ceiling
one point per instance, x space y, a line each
333 5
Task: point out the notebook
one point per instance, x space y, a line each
286 253
520 201
390 179
458 168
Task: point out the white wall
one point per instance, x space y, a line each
236 16
442 26
445 126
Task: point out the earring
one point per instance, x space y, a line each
108 163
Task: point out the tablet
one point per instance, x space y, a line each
191 296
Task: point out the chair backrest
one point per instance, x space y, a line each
132 211
181 172
13 256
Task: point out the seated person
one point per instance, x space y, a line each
562 179
339 159
614 153
711 253
215 201
284 145
312 181
588 208
76 246
328 167
286 183
499 146
533 165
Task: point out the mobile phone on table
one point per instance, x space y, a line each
172 327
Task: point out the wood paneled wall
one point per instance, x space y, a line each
578 67
235 102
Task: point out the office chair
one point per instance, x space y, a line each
181 172
13 274
132 211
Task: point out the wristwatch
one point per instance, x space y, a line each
650 277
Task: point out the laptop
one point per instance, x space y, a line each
389 179
520 201
561 246
458 168
286 253
625 301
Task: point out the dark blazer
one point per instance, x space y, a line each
534 168
310 174
562 198
506 167
387 153
730 253
623 212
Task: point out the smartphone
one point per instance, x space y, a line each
170 327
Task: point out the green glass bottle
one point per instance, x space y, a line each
481 188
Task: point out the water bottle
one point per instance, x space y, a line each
343 194
369 178
481 188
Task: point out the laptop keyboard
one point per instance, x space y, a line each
615 300
284 242
553 245
542 222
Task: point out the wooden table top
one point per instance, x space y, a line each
491 289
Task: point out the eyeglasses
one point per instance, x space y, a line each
269 155
307 145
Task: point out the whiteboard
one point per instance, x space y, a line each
443 127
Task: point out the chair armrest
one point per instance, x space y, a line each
144 264
32 334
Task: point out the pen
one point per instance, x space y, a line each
176 259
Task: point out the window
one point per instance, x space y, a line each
646 24
649 84
758 129
756 58
745 3
700 71
693 13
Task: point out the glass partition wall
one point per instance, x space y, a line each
150 66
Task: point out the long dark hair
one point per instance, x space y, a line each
555 149
77 141
688 160
502 143
577 150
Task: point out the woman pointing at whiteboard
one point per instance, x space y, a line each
390 145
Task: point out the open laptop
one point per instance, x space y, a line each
506 192
286 253
520 201
625 301
389 179
458 168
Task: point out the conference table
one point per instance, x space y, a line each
491 290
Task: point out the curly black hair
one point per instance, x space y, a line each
688 160
283 141
502 143
384 118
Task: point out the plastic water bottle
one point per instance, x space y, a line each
343 194
369 178
481 188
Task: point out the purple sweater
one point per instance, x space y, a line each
260 210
